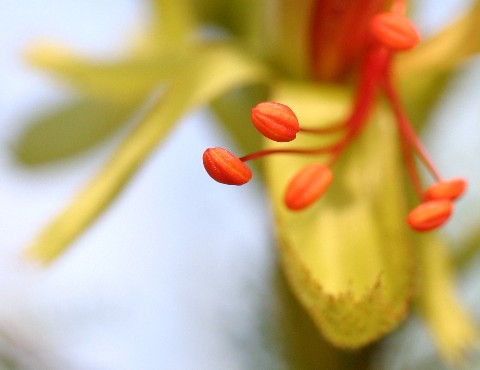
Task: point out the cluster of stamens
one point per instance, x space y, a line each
390 32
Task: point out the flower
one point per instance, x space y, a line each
349 256
388 33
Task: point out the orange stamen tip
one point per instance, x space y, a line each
430 214
226 168
307 186
446 189
275 121
394 31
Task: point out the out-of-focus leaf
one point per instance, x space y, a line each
420 92
233 111
123 81
174 23
424 72
291 43
448 48
249 21
470 249
453 329
348 257
70 129
219 69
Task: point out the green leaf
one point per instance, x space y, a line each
216 71
453 329
125 80
348 257
70 129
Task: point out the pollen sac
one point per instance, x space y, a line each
307 186
394 31
226 168
275 121
446 189
430 215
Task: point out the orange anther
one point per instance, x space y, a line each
307 186
394 31
275 121
446 189
430 214
224 167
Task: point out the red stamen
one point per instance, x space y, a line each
430 215
446 189
394 31
307 186
275 121
224 167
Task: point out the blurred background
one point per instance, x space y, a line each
179 273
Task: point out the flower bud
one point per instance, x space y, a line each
224 167
446 189
394 31
430 214
307 186
275 121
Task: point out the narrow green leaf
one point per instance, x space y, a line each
219 69
348 257
453 329
70 129
125 80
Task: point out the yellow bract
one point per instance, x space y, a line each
348 258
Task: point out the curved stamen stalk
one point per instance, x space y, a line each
406 129
311 151
326 129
